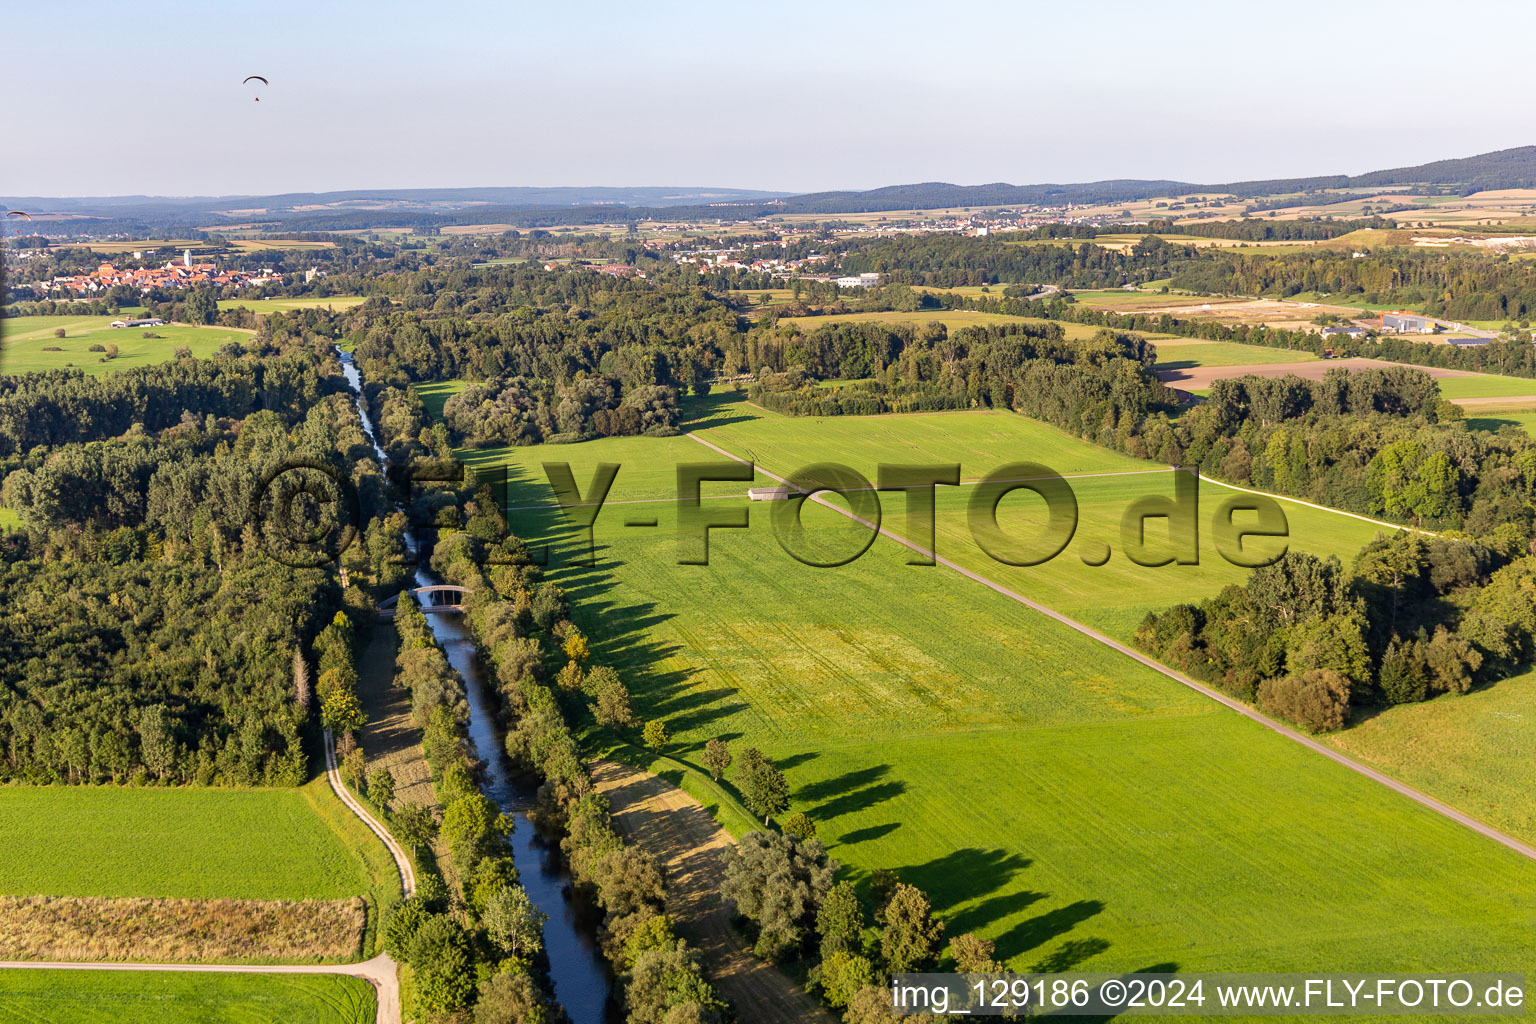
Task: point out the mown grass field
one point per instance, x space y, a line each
1073 805
23 341
144 997
335 302
1178 355
1478 418
1486 386
271 844
954 319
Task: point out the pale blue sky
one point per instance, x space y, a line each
116 98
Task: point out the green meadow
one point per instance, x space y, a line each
333 302
1183 355
24 342
1073 805
153 997
270 844
1486 385
1478 418
954 319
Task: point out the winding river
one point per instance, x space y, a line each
582 981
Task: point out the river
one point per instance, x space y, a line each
582 981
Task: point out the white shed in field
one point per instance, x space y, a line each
780 493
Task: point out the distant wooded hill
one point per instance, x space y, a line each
429 209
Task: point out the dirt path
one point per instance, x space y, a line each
1243 709
674 827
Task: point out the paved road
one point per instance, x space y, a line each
675 828
380 972
1243 709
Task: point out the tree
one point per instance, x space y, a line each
510 997
655 734
302 688
157 743
381 787
762 785
664 981
415 824
777 883
911 938
1317 701
840 976
882 886
472 825
655 932
439 954
513 924
800 826
341 713
610 706
840 921
201 307
576 647
354 768
400 926
973 954
717 758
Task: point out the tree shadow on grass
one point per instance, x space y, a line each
864 835
858 800
840 784
1068 955
1037 931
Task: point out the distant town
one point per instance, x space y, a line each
185 274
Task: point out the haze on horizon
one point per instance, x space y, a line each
804 97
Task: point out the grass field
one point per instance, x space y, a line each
142 997
1178 355
434 394
9 519
1067 802
271 844
1486 386
335 302
1480 417
954 319
24 339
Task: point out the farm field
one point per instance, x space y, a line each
145 997
1454 384
1176 355
270 844
1069 803
335 302
953 319
23 340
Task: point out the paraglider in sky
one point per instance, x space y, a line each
18 213
256 78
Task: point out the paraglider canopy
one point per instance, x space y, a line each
18 213
255 78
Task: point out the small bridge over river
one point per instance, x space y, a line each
441 597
